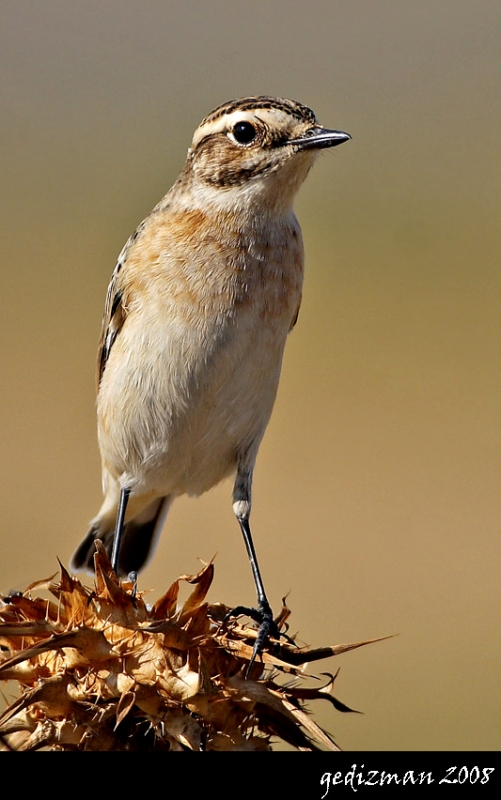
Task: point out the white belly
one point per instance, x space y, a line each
184 404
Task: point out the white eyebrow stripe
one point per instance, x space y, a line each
270 117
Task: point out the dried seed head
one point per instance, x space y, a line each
100 670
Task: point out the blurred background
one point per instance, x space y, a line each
376 500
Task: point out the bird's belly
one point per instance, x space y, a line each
189 403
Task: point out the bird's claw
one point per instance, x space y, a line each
268 628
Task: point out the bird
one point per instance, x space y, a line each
198 310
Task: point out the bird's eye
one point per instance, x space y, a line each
244 132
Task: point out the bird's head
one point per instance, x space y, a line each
255 151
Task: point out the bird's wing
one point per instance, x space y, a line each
296 315
119 290
115 314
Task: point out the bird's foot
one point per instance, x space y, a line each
268 628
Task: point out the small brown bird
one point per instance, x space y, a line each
197 313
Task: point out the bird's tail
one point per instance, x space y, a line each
139 539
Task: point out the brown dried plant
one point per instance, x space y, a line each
101 670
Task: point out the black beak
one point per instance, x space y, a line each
317 138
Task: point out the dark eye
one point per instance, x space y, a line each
244 132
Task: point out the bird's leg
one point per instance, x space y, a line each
263 614
117 538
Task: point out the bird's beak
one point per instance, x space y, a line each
317 138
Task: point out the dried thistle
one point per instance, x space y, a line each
100 670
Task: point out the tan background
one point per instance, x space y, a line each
377 497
